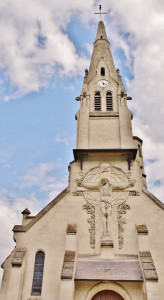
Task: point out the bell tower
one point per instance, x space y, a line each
107 156
104 120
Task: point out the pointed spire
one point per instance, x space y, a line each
101 51
101 33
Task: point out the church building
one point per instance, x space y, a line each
102 237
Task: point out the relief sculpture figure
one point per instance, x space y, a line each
111 194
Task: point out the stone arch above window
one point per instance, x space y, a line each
97 101
109 101
38 273
102 71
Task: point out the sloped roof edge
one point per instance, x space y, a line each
155 199
42 212
3 264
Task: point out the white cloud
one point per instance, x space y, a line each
34 43
10 214
154 160
12 204
139 33
89 48
6 154
64 138
61 139
145 44
43 179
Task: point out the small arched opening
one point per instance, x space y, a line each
102 71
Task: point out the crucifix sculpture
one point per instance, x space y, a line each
107 202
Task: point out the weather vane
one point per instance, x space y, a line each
100 13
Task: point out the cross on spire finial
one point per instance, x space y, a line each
100 13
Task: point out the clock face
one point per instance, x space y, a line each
103 83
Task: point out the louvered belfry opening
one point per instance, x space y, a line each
97 101
109 101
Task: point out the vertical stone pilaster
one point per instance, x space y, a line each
83 138
125 124
147 265
68 269
16 275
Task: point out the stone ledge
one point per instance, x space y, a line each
137 138
107 242
19 228
100 114
71 229
142 229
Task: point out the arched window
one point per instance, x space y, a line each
38 273
97 101
102 71
109 101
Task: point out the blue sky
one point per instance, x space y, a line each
44 51
40 127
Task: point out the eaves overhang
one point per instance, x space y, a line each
105 152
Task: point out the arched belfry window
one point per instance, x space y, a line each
102 71
38 273
109 101
97 101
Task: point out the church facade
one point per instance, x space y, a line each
102 237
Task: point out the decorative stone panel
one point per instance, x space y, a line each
148 266
68 265
18 257
142 229
71 229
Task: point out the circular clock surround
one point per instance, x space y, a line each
103 83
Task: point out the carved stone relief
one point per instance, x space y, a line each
121 209
105 191
91 210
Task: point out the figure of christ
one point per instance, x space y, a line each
106 201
